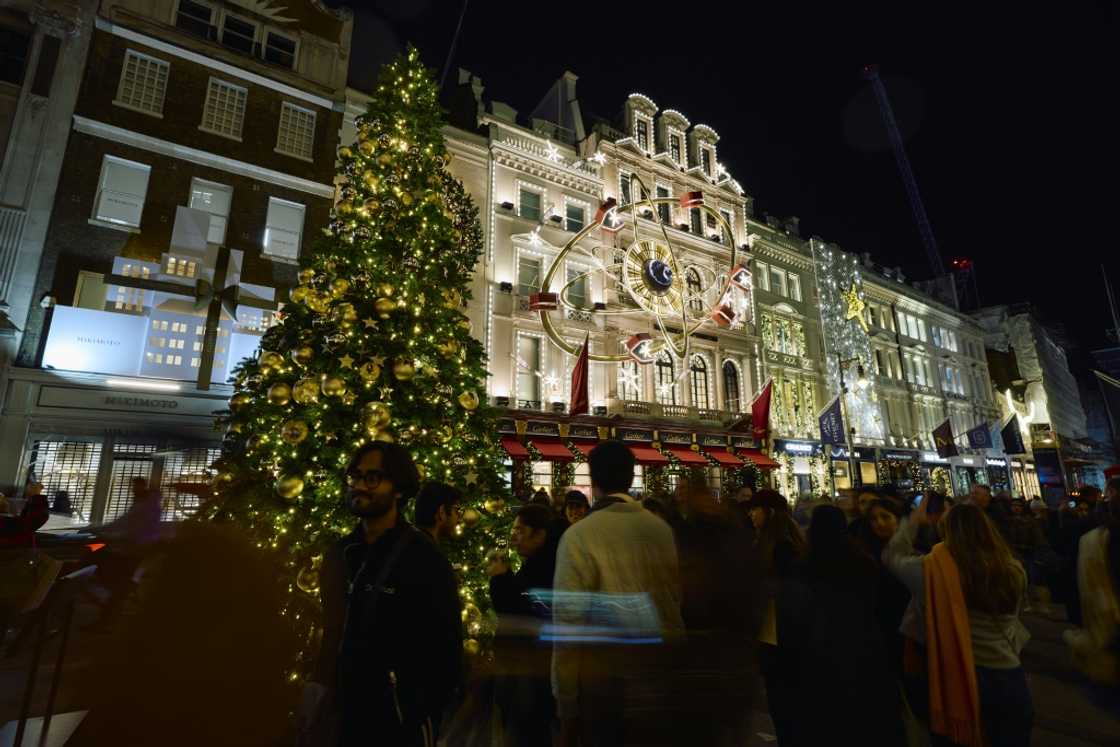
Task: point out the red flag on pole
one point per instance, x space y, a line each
760 412
580 404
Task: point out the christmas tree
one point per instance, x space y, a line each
372 345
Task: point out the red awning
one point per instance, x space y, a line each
686 456
724 457
585 448
553 450
648 455
514 448
757 458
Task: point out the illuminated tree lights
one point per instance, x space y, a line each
373 346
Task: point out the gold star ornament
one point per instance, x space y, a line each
856 306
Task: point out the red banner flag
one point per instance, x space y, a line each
580 404
760 412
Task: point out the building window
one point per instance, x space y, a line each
675 147
239 34
143 83
698 373
215 199
529 204
528 276
283 233
224 112
121 191
280 50
778 281
666 380
641 131
695 294
575 217
624 187
696 225
629 380
183 268
729 220
731 386
577 290
762 274
663 208
195 18
794 286
706 161
528 372
296 134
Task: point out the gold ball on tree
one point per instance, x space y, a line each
270 360
372 205
385 159
346 315
369 371
404 370
339 286
344 208
279 393
447 348
299 294
306 275
472 646
294 431
366 147
307 580
406 199
345 152
333 386
452 299
383 307
303 355
468 399
306 391
379 412
239 401
384 289
444 433
370 180
471 517
289 486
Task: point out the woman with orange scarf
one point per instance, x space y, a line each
967 595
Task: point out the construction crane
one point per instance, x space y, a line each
933 255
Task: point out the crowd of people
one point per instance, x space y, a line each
632 621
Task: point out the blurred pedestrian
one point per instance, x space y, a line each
655 507
19 530
438 511
967 596
532 537
61 504
827 621
619 549
542 497
576 506
390 658
778 545
891 596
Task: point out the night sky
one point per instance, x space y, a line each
1007 118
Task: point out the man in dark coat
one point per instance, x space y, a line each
532 539
391 652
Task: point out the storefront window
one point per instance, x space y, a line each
842 474
868 475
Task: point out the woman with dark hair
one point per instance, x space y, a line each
967 595
778 545
891 596
827 617
1096 645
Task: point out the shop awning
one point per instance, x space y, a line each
514 448
585 447
686 456
552 449
648 455
724 457
757 458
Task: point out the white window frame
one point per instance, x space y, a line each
574 268
639 117
783 291
762 271
223 218
277 257
525 254
530 187
627 176
119 101
539 373
119 224
206 103
257 28
712 170
793 283
286 105
582 205
682 156
707 381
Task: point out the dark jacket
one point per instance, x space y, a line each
508 592
394 653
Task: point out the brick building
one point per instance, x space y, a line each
199 165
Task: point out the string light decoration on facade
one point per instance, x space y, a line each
653 278
373 346
846 338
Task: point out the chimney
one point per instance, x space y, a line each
865 260
898 275
793 225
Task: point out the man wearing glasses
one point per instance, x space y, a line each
392 642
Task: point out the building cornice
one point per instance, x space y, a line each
513 157
200 157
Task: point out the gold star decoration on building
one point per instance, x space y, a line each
855 307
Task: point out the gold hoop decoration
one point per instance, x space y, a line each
651 275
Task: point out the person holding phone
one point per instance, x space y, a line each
967 596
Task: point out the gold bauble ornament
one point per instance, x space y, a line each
307 580
303 355
472 646
239 401
404 370
471 613
294 431
369 371
406 199
471 517
372 205
333 386
298 294
349 398
383 307
279 393
444 434
346 314
493 505
306 391
385 159
306 275
270 360
422 471
474 628
452 299
345 152
370 180
289 486
317 302
378 412
448 348
384 289
468 399
366 147
465 324
344 208
339 286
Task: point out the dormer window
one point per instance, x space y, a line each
706 161
675 147
641 132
